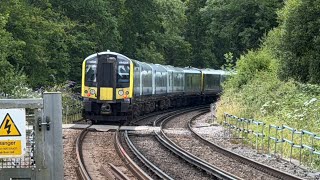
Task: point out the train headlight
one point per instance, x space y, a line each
120 92
92 91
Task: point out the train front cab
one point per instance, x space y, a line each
107 87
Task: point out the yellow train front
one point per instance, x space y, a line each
107 87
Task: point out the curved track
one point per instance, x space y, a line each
187 157
213 170
113 171
264 168
82 171
134 168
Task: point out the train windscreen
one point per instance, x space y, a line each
91 72
123 73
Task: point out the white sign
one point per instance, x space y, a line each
12 132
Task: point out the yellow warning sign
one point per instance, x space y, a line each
8 128
10 147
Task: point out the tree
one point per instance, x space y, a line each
196 36
299 40
173 45
42 50
236 26
10 79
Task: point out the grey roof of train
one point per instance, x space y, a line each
161 67
191 70
106 52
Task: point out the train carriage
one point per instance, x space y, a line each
116 88
107 86
211 81
159 78
175 80
192 81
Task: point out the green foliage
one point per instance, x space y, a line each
236 26
150 54
251 64
266 85
229 65
12 81
41 49
96 19
265 97
195 34
71 102
299 47
153 31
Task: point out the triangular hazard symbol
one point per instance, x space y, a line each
8 128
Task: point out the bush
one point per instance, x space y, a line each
256 92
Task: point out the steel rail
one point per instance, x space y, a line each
131 165
141 118
177 113
257 165
82 171
144 160
205 166
118 173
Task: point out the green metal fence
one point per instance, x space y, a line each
281 140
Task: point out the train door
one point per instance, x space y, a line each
106 77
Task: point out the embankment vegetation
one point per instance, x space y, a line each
278 83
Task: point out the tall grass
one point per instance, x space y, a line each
256 92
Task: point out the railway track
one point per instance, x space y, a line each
110 170
82 170
257 165
186 158
161 136
135 169
225 153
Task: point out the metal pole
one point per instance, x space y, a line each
300 145
269 141
262 138
282 141
275 142
292 134
51 128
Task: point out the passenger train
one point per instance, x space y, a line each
116 88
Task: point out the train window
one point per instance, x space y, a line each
91 73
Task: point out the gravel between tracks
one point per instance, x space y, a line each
215 134
98 149
69 153
199 149
165 160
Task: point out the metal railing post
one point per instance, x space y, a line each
51 127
